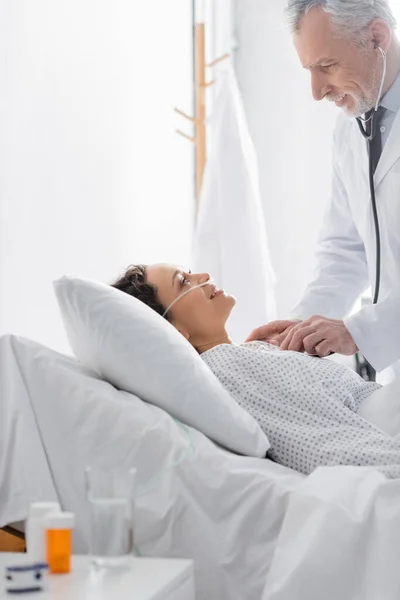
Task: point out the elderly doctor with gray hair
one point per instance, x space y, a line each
353 56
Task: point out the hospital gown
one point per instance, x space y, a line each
307 407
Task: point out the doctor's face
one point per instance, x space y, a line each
342 71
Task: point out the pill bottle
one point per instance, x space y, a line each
35 532
59 541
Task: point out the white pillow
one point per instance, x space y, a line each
129 345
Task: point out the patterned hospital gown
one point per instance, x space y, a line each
307 407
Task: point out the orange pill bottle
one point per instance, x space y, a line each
59 528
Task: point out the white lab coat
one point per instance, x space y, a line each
347 247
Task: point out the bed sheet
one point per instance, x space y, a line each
340 536
340 539
193 499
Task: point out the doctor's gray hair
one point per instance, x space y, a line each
351 17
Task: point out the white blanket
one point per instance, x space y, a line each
192 499
340 539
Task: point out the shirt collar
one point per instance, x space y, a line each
391 100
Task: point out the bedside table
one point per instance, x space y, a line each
142 579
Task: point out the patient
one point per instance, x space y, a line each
307 406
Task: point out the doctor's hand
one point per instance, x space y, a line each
320 336
274 333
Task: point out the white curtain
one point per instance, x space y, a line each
293 138
230 238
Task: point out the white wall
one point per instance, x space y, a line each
396 10
92 176
292 135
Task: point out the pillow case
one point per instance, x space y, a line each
132 347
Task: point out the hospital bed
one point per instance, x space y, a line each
193 498
255 530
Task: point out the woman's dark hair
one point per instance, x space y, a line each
133 282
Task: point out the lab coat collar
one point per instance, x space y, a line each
391 151
391 100
390 154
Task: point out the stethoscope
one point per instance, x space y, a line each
369 137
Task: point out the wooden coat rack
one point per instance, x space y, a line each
199 120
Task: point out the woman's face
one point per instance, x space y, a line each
201 314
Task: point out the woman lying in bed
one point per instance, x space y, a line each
307 406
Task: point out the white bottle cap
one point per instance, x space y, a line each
59 520
40 509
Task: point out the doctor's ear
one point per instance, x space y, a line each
381 35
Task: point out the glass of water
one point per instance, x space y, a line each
110 495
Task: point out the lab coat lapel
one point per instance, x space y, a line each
391 152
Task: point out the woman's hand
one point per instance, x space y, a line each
273 333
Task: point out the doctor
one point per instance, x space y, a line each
344 46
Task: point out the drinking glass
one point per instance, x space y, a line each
110 495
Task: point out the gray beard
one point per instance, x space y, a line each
368 101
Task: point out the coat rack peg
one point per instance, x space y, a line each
180 112
200 95
218 60
200 138
209 84
191 139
